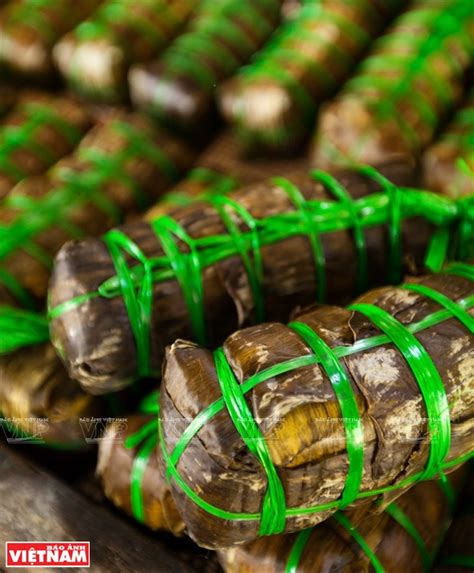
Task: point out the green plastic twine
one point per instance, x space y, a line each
19 328
348 405
147 435
404 521
287 45
311 231
71 188
274 504
138 307
343 196
297 550
427 377
138 295
457 312
345 522
441 22
396 513
16 137
221 37
310 218
394 332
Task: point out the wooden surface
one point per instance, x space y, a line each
34 506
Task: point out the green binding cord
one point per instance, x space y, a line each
147 436
222 37
444 301
297 550
274 505
311 218
348 405
271 61
71 188
427 377
254 269
394 269
15 137
343 196
397 514
311 231
441 23
345 522
404 521
138 307
20 328
417 358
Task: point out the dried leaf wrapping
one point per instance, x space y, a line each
95 57
38 132
119 168
29 31
272 102
404 537
39 402
286 424
412 78
222 36
120 463
448 165
217 265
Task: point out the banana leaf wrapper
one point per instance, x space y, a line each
119 169
39 403
272 103
94 58
456 554
40 130
448 164
222 37
29 30
130 454
410 81
257 269
285 424
404 537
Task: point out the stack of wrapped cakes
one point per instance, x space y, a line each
237 280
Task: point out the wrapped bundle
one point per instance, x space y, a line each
30 28
131 478
412 78
448 165
38 399
457 555
119 168
272 102
284 425
404 537
95 57
227 261
39 403
224 34
38 132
